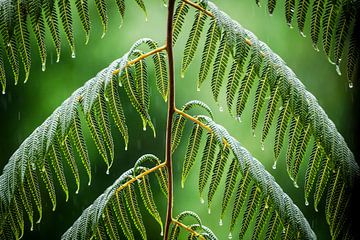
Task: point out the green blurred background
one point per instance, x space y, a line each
26 106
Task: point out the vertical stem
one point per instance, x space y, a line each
171 111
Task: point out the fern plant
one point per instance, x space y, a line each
251 196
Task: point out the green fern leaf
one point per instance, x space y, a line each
322 181
282 123
191 152
193 41
101 7
206 162
33 184
2 73
264 212
110 225
270 112
251 207
179 17
294 134
273 226
133 207
330 15
220 64
117 110
141 78
79 142
353 53
312 169
232 84
302 10
47 178
301 146
121 7
66 19
148 199
229 185
316 15
56 162
160 71
271 6
51 18
212 38
83 11
122 217
23 37
217 174
25 196
177 131
142 6
289 11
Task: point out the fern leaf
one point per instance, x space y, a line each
289 11
121 7
212 38
217 174
220 64
148 199
33 184
302 10
273 226
51 18
264 212
47 178
206 162
110 225
142 6
122 217
316 15
241 194
282 123
117 111
301 146
25 196
232 84
353 53
142 85
2 73
56 163
295 130
23 37
179 17
78 139
38 27
322 181
191 152
229 185
66 19
193 41
102 114
101 7
270 112
177 131
312 169
160 72
259 98
271 6
251 207
131 202
70 158
83 11
330 15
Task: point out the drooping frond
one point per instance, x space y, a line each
256 194
254 62
331 23
118 206
53 144
18 18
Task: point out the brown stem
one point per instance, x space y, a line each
170 114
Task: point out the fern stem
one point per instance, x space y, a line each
170 114
193 232
143 174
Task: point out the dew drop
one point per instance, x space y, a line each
146 19
271 14
58 58
283 231
262 146
221 109
338 71
107 171
32 228
144 128
165 5
220 222
253 133
8 44
182 75
316 48
230 236
209 211
281 108
295 184
202 200
161 233
103 35
266 205
316 210
306 202
43 169
73 55
302 34
3 92
351 85
43 67
89 183
87 39
238 118
274 165
33 166
77 191
126 148
198 89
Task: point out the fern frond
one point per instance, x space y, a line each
179 17
330 15
231 178
302 10
66 19
83 11
289 11
101 7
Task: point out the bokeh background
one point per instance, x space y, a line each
26 106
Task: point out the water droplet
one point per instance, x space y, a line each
266 205
220 222
283 231
209 211
87 39
302 34
295 184
238 118
316 47
338 71
89 183
161 233
230 236
281 108
144 128
290 26
306 202
271 14
165 5
198 89
221 109
253 133
58 58
43 169
103 35
146 19
73 55
316 210
43 67
202 200
33 166
77 191
182 75
32 228
126 148
351 85
274 165
107 171
262 146
3 92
